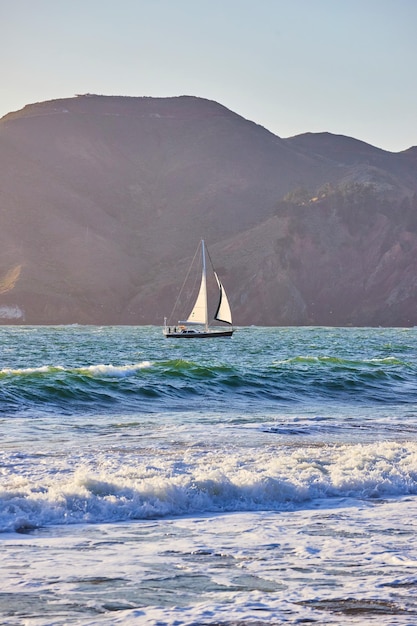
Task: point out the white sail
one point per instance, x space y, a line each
199 313
223 313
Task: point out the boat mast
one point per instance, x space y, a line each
204 279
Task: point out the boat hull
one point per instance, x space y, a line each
195 334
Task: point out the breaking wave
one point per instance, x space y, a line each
143 486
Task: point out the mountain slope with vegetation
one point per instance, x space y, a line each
104 199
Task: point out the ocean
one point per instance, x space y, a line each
270 478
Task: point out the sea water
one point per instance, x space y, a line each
267 478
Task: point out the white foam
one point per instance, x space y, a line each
115 371
242 567
115 485
43 369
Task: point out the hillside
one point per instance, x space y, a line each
103 198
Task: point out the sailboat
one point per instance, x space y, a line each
198 323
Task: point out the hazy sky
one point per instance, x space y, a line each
293 66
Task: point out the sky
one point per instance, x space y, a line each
293 66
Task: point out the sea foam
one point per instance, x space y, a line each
116 485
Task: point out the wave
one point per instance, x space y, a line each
119 487
162 383
93 370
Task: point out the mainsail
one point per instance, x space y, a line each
199 313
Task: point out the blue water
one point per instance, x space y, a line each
270 476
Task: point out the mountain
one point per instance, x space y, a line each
103 200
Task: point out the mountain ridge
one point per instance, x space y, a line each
102 196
